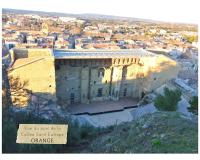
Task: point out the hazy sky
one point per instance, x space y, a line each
165 10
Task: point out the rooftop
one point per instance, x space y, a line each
90 54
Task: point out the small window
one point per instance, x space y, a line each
125 91
100 91
101 73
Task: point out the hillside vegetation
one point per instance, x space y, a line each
161 132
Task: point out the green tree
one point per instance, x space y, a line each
194 105
168 101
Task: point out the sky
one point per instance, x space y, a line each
185 11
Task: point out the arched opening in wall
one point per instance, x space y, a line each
125 92
143 94
101 72
72 97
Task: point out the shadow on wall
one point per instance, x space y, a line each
19 53
22 97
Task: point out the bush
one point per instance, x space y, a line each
194 105
168 101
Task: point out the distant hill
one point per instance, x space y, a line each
81 16
88 16
41 13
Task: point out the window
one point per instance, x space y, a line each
101 73
100 91
125 91
72 98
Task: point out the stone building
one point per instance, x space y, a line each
84 76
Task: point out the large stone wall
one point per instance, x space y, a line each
96 81
39 73
86 80
122 78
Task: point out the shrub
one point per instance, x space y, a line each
193 105
156 142
168 101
